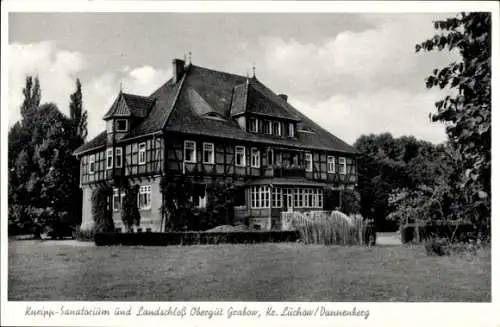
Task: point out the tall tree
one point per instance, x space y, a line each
78 116
32 97
467 112
78 131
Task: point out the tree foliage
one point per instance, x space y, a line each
130 210
101 208
467 111
388 166
43 173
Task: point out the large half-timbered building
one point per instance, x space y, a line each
214 125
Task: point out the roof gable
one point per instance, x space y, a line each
129 105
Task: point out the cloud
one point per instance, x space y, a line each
100 92
56 69
386 110
366 81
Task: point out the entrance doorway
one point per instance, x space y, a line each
287 200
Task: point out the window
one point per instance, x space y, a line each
277 196
270 157
308 198
259 197
208 153
199 202
331 164
92 164
189 151
109 158
144 197
142 153
240 156
118 157
276 128
266 129
255 155
252 125
291 129
121 125
343 166
308 162
117 199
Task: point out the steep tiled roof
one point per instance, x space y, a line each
97 142
184 107
260 101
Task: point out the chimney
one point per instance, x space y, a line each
284 97
177 69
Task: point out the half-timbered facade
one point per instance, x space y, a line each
212 126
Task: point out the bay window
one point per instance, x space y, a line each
277 196
259 196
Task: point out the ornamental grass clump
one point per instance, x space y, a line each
330 229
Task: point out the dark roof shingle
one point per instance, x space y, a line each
184 107
97 142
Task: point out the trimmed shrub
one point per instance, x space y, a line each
195 238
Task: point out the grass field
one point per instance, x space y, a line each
64 270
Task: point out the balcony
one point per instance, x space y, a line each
291 171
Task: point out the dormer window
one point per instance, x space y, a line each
252 125
276 128
121 125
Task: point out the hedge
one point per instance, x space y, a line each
194 238
409 232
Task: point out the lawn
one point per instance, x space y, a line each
61 270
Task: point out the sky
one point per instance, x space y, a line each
352 73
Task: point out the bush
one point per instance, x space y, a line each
350 202
101 208
453 230
130 210
437 246
194 238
